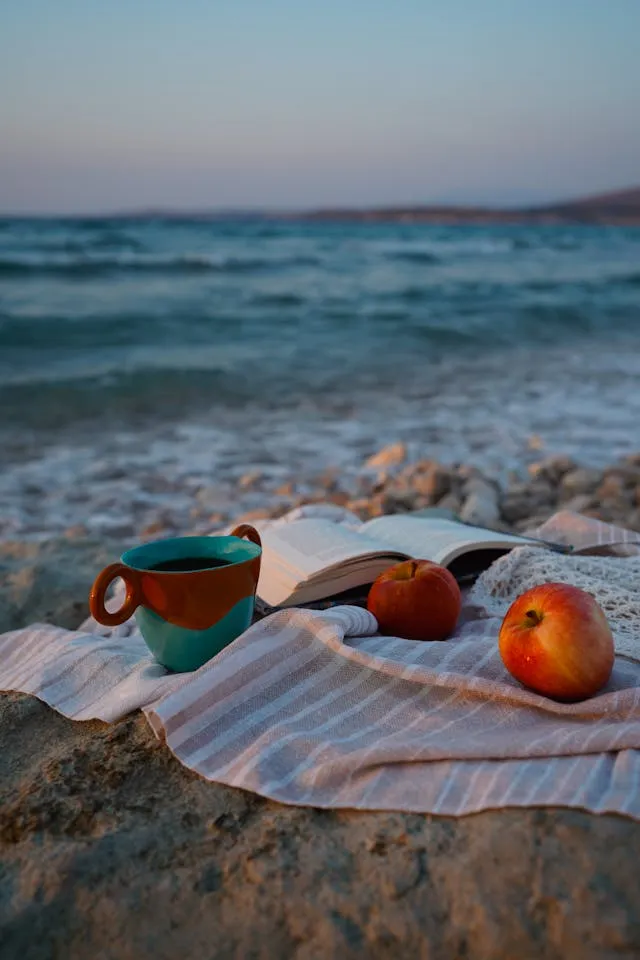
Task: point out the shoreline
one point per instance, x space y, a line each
48 572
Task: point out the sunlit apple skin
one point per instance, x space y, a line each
555 639
416 599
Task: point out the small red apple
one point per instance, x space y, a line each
555 639
416 599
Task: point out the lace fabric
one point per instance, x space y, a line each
613 581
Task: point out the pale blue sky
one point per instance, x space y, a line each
112 104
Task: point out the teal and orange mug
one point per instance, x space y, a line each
191 596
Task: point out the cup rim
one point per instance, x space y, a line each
253 549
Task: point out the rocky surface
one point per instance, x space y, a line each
110 848
49 579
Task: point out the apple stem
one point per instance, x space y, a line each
533 618
414 567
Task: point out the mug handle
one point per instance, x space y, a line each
99 589
246 530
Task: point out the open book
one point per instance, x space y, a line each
313 558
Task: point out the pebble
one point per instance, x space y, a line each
260 514
287 489
552 468
611 488
153 504
480 510
389 456
250 480
153 528
434 483
582 480
450 502
77 532
360 506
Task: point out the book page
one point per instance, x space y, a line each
306 547
436 538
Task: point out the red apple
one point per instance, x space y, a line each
416 599
555 639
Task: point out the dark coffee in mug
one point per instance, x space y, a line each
187 564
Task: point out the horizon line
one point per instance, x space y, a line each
618 196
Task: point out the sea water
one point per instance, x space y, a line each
157 357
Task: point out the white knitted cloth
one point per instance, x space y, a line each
614 582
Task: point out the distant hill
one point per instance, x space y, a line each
619 208
622 205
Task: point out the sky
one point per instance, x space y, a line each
110 105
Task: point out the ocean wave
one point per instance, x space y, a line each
413 256
278 299
91 267
105 241
629 279
413 294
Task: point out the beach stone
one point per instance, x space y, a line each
389 456
360 506
118 527
158 483
432 483
365 485
582 480
339 497
377 505
76 532
612 487
328 479
211 497
628 473
532 522
250 479
111 849
217 519
552 468
464 472
450 502
260 513
153 528
613 509
516 506
481 510
286 489
482 487
397 502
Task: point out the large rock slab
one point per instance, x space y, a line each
109 848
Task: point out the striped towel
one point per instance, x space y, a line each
314 708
